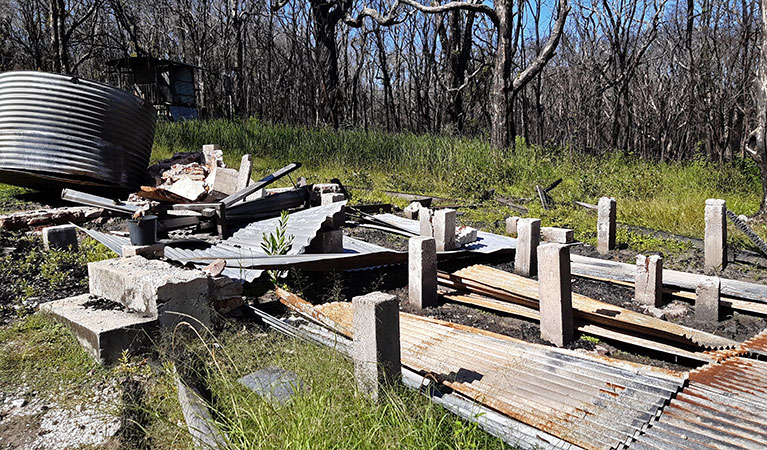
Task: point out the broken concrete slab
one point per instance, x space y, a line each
222 182
274 384
103 332
188 189
152 288
60 237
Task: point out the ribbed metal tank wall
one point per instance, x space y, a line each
58 131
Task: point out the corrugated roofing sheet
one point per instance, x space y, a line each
592 402
724 407
486 242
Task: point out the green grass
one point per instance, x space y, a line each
328 412
665 196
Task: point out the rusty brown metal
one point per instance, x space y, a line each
514 288
723 407
589 401
757 344
307 309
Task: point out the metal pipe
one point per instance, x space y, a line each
99 202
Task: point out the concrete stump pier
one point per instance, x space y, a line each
376 348
715 238
556 302
528 238
422 272
606 225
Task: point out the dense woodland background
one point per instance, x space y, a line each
663 79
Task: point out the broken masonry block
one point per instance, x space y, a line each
60 237
649 280
376 348
422 272
425 219
444 229
707 296
606 225
331 241
715 237
554 290
153 288
528 238
153 251
465 235
411 210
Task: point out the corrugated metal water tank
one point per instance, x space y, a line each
58 131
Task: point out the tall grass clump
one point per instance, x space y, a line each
660 195
327 412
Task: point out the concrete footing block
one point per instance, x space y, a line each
411 210
60 237
649 280
422 272
556 303
558 235
606 225
102 331
444 229
330 198
715 237
376 348
707 296
511 225
330 241
154 251
425 220
153 288
528 238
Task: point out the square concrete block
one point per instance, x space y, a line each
511 225
376 348
606 225
104 333
554 290
715 237
444 229
151 287
153 251
60 237
525 255
707 296
422 272
558 235
649 280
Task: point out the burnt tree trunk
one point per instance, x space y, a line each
500 90
757 141
459 51
326 16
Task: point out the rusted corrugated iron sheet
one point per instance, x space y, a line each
723 407
592 402
58 131
757 345
510 287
